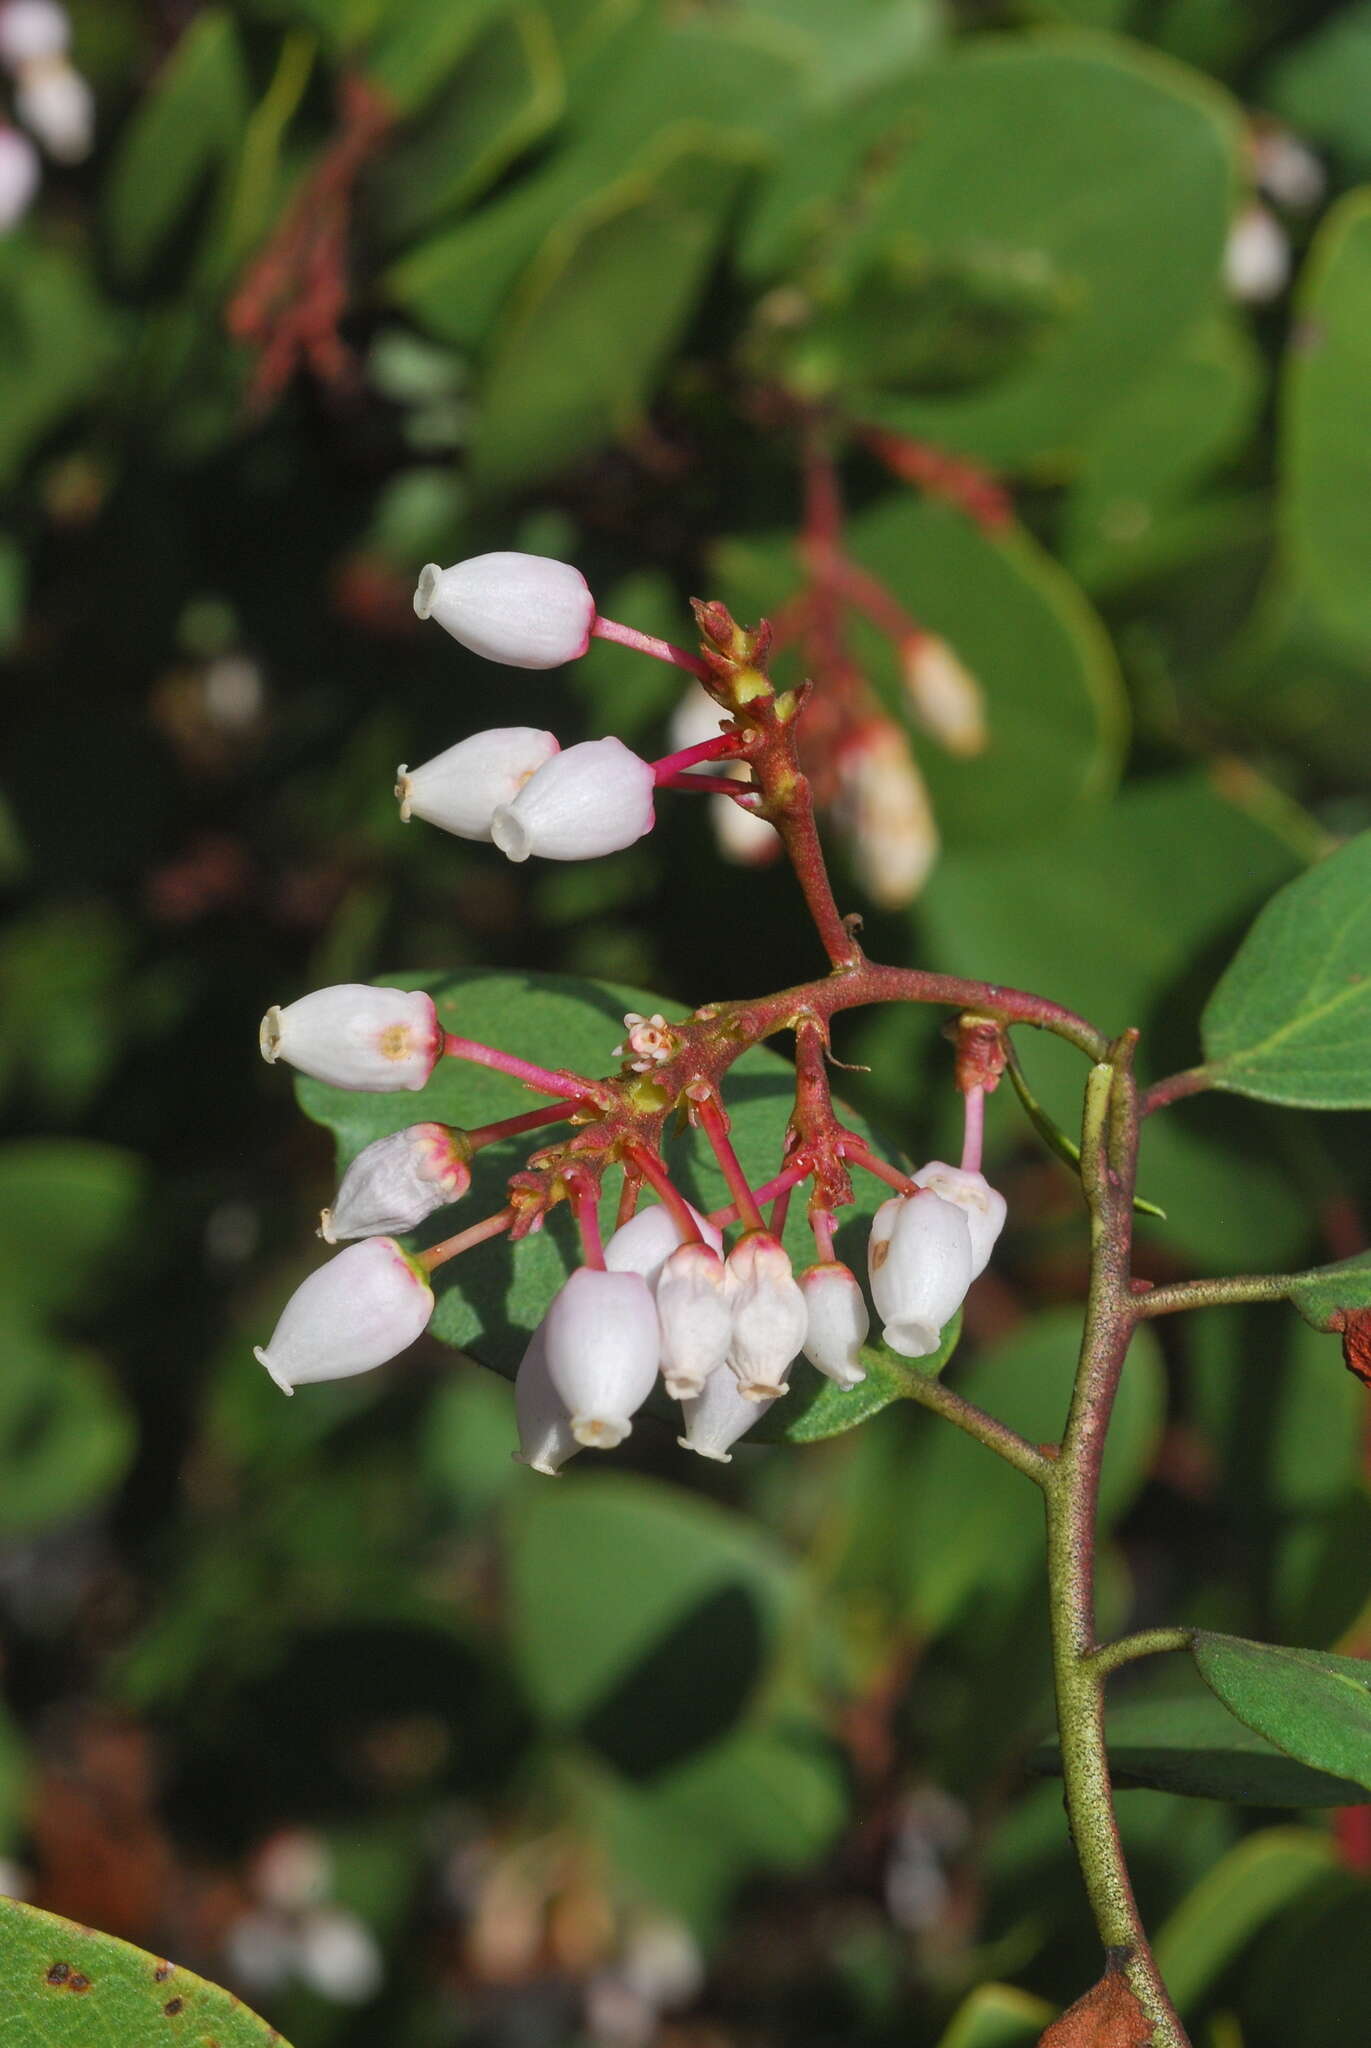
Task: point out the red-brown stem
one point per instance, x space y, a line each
585 1207
800 838
973 1133
653 1171
823 1223
789 1178
780 1209
541 1078
628 1196
647 643
720 748
866 593
855 1150
513 1126
709 785
710 1117
1191 1081
438 1254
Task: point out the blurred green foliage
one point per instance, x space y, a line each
660 1754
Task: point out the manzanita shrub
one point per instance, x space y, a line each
724 1329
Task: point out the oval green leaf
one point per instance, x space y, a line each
1290 1021
1313 1706
491 1300
64 1986
1261 1877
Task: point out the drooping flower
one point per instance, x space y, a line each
546 1438
398 1180
527 611
696 1318
944 695
882 803
719 1415
367 1304
983 1206
602 1349
588 800
919 1261
837 1322
356 1036
20 175
461 790
57 106
768 1316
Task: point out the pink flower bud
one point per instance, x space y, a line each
355 1036
643 1244
983 1206
32 32
591 799
768 1316
20 173
55 104
462 789
696 1318
367 1304
602 1349
720 1414
545 1435
920 1266
396 1181
838 1322
525 610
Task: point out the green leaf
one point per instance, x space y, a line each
418 43
998 2016
970 1522
1322 84
190 121
1097 162
64 1986
66 1437
1290 1021
1326 441
491 1300
623 1671
1324 1292
1315 1707
597 315
1188 1742
1260 1878
66 1206
57 340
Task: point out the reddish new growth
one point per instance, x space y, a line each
294 294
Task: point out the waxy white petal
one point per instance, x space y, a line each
602 1348
838 1322
588 800
528 611
366 1305
396 1181
461 790
919 1262
356 1036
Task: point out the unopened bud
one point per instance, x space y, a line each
32 32
883 805
944 695
1256 259
647 1240
919 1260
20 173
602 1352
768 1316
356 1036
1287 169
696 1318
462 789
591 799
398 1180
983 1206
525 610
837 1322
54 103
337 1956
369 1303
721 1413
546 1439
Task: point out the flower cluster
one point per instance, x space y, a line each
51 100
664 1298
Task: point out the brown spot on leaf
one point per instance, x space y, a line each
173 2006
1108 2016
58 1974
161 1973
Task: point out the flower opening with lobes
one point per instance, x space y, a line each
983 1206
527 611
589 800
355 1036
602 1349
919 1262
367 1304
396 1181
461 790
